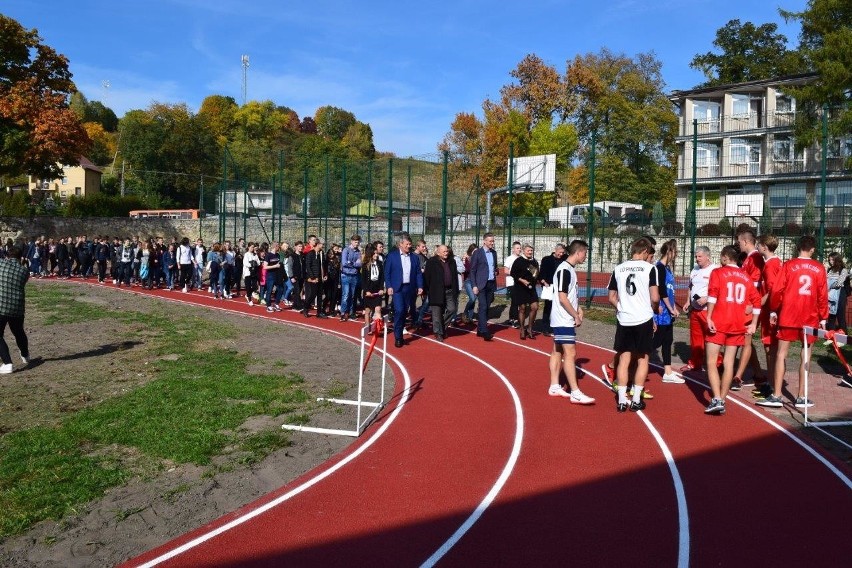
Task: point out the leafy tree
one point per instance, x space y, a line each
333 122
103 144
94 111
539 94
622 100
748 53
217 113
359 141
825 44
38 131
308 126
167 149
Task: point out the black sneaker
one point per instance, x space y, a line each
637 406
621 407
737 384
716 406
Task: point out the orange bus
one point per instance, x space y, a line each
166 213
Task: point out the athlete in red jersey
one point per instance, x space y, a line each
729 293
799 299
753 267
767 244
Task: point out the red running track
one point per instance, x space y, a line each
474 465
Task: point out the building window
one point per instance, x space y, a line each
740 105
707 199
708 159
787 195
837 194
707 114
78 191
65 180
739 151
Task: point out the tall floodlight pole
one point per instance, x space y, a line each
245 62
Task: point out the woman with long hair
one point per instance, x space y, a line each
667 311
525 274
838 286
214 267
372 282
467 313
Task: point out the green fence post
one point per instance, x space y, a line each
305 208
508 241
343 240
444 198
408 206
591 218
477 188
370 201
822 181
693 221
390 200
325 200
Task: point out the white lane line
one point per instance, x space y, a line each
308 483
769 420
680 493
504 474
454 538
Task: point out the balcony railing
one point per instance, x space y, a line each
740 123
766 167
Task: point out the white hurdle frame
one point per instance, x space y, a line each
359 403
841 340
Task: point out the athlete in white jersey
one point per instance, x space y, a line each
565 316
634 292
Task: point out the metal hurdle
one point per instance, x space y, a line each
360 404
841 340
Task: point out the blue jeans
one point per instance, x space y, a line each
279 291
288 288
348 283
471 299
485 297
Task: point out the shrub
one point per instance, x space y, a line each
672 228
709 230
100 205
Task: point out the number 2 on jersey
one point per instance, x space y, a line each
805 285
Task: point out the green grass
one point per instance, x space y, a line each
189 413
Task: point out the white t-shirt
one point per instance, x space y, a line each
508 262
184 254
564 280
633 280
699 281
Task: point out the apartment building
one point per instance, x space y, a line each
746 161
81 179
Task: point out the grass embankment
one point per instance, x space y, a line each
189 412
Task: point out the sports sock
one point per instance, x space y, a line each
622 395
637 393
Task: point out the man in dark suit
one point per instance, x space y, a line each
483 274
404 282
442 289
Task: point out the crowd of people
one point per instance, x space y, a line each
749 292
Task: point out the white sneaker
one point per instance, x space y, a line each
672 378
250 303
577 397
114 281
25 360
556 390
6 369
184 289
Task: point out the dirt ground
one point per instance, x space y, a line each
153 508
158 505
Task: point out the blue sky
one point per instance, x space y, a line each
405 68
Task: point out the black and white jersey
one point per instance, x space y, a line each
633 280
564 280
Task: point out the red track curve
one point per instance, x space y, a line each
590 486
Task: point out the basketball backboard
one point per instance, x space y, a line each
536 171
743 202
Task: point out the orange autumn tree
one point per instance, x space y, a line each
38 130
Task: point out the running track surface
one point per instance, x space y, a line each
472 464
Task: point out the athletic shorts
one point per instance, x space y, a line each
635 338
732 339
767 330
793 334
564 335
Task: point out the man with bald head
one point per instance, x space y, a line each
442 288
